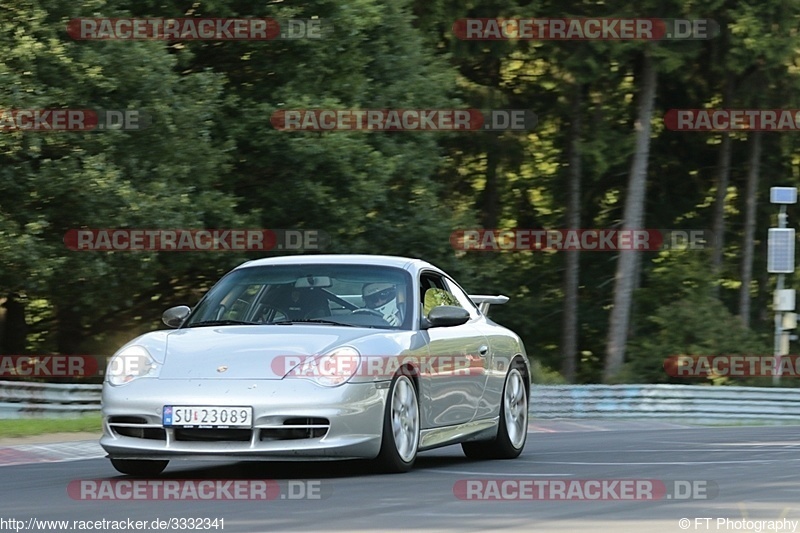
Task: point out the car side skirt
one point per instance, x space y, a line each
470 431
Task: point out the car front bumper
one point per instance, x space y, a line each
293 419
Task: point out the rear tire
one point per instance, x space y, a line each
139 467
400 440
513 428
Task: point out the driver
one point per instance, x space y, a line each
382 297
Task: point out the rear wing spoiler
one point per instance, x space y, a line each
483 301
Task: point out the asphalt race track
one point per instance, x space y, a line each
731 473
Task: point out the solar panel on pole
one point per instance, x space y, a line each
780 250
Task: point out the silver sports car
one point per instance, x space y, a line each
320 357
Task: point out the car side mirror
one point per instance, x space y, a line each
174 316
446 316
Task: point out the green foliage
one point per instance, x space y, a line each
690 326
208 160
40 426
543 375
51 183
211 159
692 323
435 298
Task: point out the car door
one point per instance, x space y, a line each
485 366
454 381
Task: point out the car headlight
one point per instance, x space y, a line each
131 363
329 370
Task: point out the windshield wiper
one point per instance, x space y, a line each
223 323
313 321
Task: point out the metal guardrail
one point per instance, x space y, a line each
690 403
47 400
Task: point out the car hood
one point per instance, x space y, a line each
248 352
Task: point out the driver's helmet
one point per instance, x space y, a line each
381 297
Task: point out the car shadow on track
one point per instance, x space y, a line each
269 470
286 470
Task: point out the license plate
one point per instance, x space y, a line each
207 416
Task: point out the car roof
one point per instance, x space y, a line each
405 263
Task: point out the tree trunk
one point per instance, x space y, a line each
569 328
490 198
633 218
723 179
751 204
15 327
70 333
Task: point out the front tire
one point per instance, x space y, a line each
139 467
513 428
401 422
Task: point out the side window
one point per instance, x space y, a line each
462 297
434 292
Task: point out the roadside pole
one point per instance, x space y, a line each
780 260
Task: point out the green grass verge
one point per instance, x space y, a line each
41 426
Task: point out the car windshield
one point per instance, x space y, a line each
319 294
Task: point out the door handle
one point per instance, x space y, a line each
483 350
